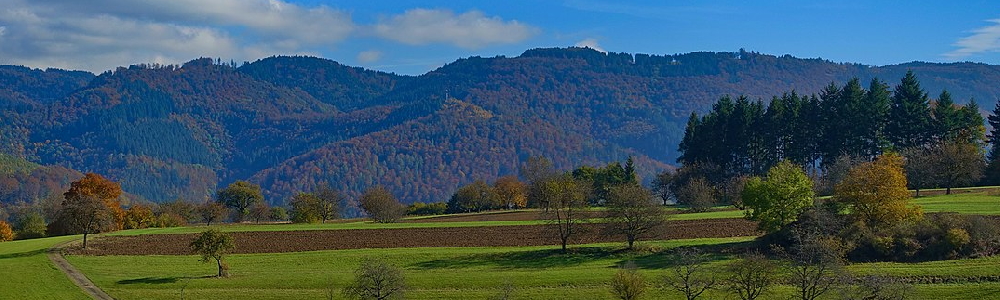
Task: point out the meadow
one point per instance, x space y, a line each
535 272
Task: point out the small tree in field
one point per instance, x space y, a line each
633 212
212 245
778 200
628 284
376 279
381 205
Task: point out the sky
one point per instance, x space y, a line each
414 37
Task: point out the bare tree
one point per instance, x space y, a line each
632 212
212 211
751 276
815 263
567 201
376 279
876 287
690 275
662 186
328 205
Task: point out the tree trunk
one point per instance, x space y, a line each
918 193
219 262
947 191
85 239
631 241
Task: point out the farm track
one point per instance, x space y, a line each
485 236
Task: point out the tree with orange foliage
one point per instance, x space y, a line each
511 193
6 232
91 206
876 192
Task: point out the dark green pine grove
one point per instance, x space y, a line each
743 137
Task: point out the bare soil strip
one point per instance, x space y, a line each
486 236
74 275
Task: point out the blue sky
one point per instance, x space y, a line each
413 37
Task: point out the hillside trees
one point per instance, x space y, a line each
240 196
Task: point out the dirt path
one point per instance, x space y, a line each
55 255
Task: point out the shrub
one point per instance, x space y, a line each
30 226
170 220
376 279
628 284
6 232
426 209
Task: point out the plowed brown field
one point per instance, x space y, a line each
497 216
487 236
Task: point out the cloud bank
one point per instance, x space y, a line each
470 30
984 39
98 35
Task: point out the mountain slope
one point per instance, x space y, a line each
290 123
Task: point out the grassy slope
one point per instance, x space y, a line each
27 273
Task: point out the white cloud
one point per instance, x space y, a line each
369 56
984 39
470 30
98 35
590 43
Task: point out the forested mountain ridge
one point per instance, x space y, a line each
290 123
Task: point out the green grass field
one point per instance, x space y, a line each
27 273
460 273
978 203
434 273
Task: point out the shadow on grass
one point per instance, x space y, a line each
669 258
158 280
23 254
536 259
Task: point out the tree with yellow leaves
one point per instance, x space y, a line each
876 192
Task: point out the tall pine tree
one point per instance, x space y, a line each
910 122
